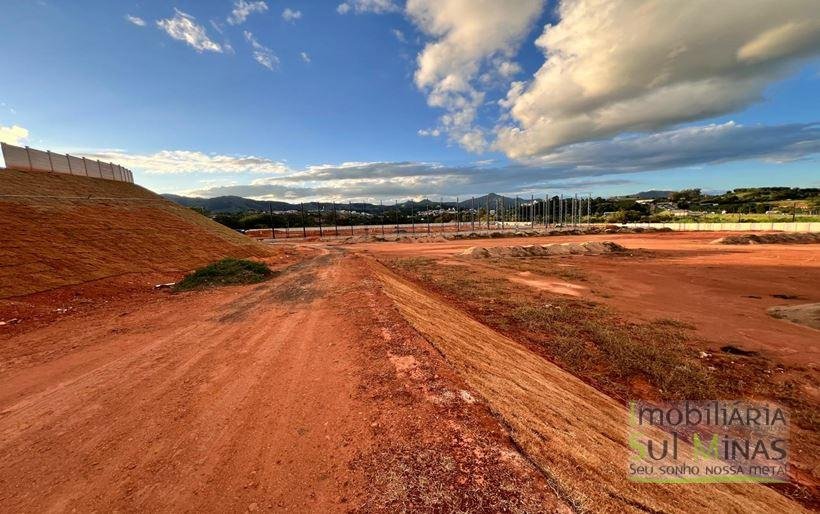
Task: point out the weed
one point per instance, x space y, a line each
225 272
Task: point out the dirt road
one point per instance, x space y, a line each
307 393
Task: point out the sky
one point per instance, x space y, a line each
383 99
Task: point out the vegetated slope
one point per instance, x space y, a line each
58 230
573 433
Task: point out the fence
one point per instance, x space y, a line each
479 215
25 158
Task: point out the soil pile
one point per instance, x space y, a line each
589 248
769 239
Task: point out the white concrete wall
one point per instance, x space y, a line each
733 227
37 160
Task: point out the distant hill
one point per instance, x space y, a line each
227 203
237 204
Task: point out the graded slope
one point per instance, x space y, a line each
58 230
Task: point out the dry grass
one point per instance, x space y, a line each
576 436
582 337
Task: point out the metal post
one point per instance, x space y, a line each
397 217
28 154
350 216
319 210
472 214
589 212
381 213
458 216
412 217
270 214
488 212
441 210
304 228
68 158
85 167
335 220
287 225
532 211
428 216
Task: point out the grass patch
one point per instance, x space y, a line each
224 273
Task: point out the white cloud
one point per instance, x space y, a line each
14 135
185 161
262 54
183 27
614 66
468 36
399 35
368 6
242 9
305 57
136 20
290 15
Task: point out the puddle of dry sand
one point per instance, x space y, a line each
553 286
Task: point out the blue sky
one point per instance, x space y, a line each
373 99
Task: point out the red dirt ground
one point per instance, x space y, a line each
723 291
314 393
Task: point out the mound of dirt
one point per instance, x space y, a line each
769 239
807 314
589 248
61 230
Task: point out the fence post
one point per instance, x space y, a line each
397 217
28 154
319 210
488 211
68 158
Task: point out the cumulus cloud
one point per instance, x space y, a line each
183 27
14 135
262 54
614 66
469 36
290 15
578 167
136 20
368 6
242 9
186 161
688 146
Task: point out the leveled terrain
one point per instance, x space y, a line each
60 230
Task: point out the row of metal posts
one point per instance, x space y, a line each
558 213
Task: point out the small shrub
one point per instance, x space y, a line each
225 272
